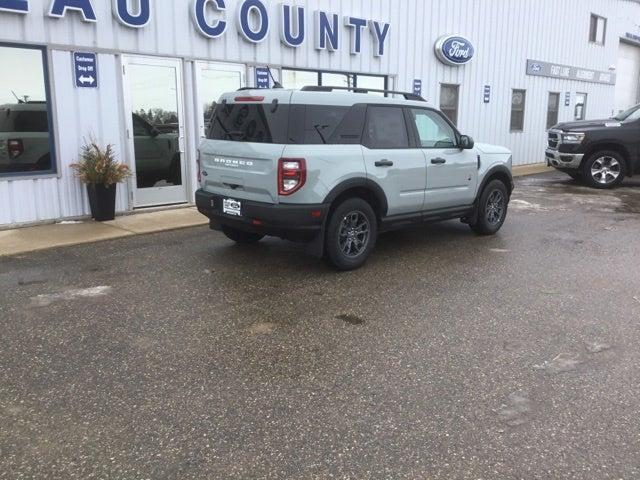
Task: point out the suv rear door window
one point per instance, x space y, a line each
386 128
250 122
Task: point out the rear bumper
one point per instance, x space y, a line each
293 222
563 160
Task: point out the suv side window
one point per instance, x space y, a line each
315 124
386 128
32 121
433 130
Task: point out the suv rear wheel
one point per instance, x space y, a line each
351 234
239 236
604 169
492 209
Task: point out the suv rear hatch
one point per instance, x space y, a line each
245 140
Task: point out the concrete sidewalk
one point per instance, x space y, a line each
42 237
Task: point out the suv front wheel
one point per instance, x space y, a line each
351 234
492 209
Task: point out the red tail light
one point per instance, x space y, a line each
15 148
292 174
249 99
199 164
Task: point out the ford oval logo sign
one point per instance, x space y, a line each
454 50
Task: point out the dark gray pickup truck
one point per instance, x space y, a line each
599 152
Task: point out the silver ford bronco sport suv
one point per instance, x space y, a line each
334 167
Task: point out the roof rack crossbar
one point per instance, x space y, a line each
323 88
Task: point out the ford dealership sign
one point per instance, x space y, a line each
454 50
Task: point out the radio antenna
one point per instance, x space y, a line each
276 84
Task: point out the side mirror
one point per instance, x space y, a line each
466 142
155 132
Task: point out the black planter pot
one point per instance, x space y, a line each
102 201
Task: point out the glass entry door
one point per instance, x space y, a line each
212 80
155 130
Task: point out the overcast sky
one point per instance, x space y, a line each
21 72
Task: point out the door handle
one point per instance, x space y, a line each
384 163
438 161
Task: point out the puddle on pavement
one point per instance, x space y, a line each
565 362
598 347
350 319
45 300
624 199
516 411
262 328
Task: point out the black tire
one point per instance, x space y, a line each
239 236
577 176
611 163
492 209
351 235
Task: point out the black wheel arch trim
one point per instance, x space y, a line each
491 174
360 182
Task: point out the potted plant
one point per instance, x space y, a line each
100 171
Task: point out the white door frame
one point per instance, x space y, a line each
199 66
156 196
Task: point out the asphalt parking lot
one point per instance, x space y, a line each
181 355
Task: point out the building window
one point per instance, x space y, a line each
598 29
449 95
26 136
552 109
301 78
372 82
580 111
518 100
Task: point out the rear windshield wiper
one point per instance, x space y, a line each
319 130
229 134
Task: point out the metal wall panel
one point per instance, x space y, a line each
505 34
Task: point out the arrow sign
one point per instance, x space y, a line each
89 80
85 67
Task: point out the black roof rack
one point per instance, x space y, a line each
406 95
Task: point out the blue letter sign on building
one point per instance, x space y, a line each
15 6
85 68
59 9
133 20
213 30
254 8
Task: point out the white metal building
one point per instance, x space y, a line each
142 74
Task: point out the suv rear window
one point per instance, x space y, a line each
250 122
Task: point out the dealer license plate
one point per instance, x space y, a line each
232 207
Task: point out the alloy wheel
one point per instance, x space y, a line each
606 170
495 207
354 234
